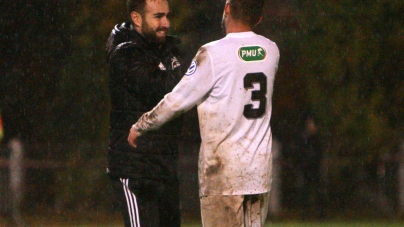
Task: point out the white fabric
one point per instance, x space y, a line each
235 155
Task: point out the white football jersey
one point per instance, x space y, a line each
231 82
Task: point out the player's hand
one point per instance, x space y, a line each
133 135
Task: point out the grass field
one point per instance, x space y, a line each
53 223
313 224
281 224
85 219
287 224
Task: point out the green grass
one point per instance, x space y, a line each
347 224
325 224
291 224
281 224
198 224
89 219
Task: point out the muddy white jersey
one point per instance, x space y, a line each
231 82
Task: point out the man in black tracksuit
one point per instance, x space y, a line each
143 68
310 177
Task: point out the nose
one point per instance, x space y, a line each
165 22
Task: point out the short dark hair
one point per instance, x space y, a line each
247 11
136 5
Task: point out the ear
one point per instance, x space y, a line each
136 18
259 21
227 9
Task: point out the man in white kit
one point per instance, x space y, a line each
231 82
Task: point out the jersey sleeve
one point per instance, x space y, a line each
196 84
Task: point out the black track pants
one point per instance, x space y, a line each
148 203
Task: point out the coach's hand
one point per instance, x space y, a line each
133 135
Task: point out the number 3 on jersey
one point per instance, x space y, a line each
256 95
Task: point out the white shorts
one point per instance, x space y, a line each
234 210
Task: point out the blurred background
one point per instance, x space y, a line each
341 68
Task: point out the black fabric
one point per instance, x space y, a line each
157 202
140 75
311 187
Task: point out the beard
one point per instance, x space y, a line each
151 35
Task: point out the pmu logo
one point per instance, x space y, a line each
252 53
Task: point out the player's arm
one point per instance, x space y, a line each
192 88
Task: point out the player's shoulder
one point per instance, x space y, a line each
128 49
266 40
207 49
214 48
128 46
269 44
127 53
211 45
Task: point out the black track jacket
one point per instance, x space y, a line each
140 75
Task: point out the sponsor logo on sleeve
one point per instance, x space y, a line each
252 53
191 69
